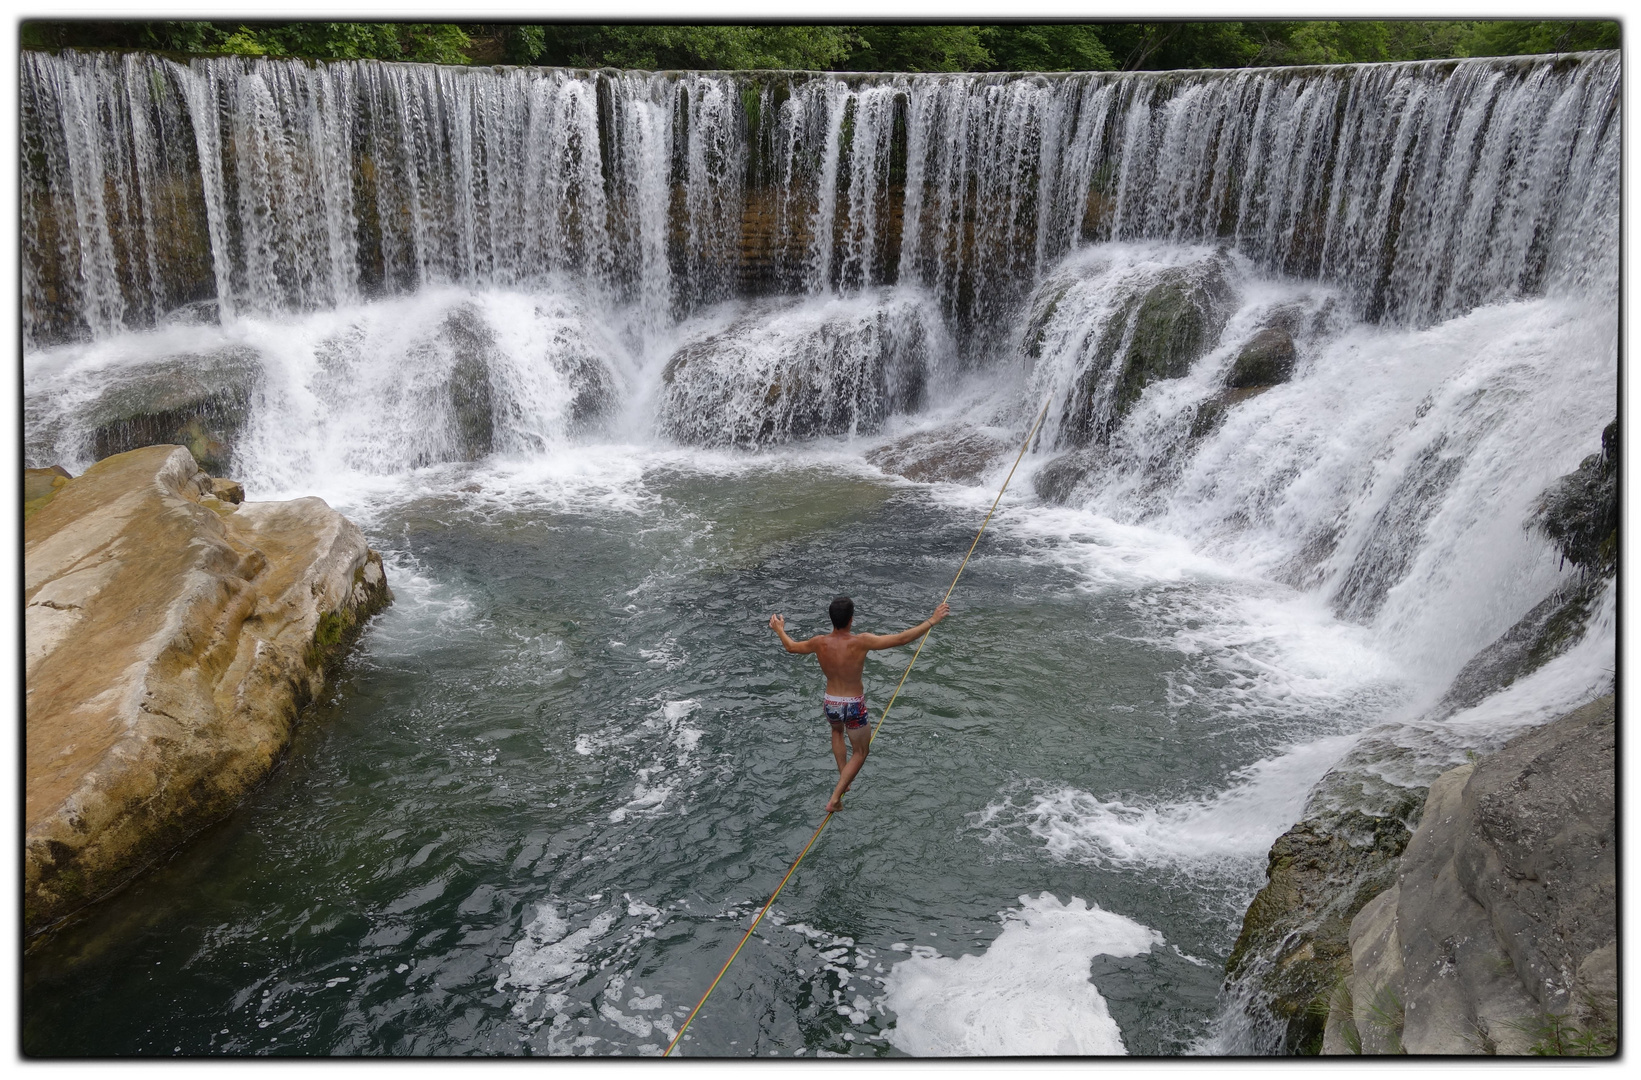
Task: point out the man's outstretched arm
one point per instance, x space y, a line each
777 623
890 641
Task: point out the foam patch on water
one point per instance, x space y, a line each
658 782
1229 830
1029 993
550 955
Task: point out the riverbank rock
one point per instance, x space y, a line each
172 637
1294 945
1500 933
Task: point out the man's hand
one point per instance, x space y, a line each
777 623
940 612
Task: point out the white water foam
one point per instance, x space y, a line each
1228 831
650 793
1029 993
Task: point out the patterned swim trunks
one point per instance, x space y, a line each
848 711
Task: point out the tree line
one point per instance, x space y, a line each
1083 46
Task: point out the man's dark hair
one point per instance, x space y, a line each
842 610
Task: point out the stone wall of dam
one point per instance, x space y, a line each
157 190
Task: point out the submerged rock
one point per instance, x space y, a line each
1058 480
171 640
1500 933
958 456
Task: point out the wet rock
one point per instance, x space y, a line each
959 456
1266 360
1579 512
1397 532
1499 936
1211 412
1294 945
200 401
197 313
170 648
1060 479
1177 322
472 411
777 376
1552 627
1157 332
40 486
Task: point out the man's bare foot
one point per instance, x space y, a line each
834 806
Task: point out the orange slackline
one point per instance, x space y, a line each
884 716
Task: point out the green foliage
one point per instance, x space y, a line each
437 43
1053 47
1517 37
1093 46
700 47
1171 45
1559 1035
921 48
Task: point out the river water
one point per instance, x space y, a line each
558 776
565 767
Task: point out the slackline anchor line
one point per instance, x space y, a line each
876 728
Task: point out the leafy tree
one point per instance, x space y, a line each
882 47
702 47
922 47
1171 45
1516 37
1048 47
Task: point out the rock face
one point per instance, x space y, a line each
171 639
1500 934
1294 939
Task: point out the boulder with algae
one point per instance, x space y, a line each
172 636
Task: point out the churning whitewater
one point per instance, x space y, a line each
612 365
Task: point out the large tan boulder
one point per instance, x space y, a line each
171 639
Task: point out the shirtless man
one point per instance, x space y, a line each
842 657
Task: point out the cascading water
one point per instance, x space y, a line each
1314 342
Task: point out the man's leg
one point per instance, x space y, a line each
837 745
859 739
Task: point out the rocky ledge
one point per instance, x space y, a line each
173 634
1500 934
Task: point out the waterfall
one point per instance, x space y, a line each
1418 190
772 256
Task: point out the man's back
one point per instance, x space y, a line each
842 654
